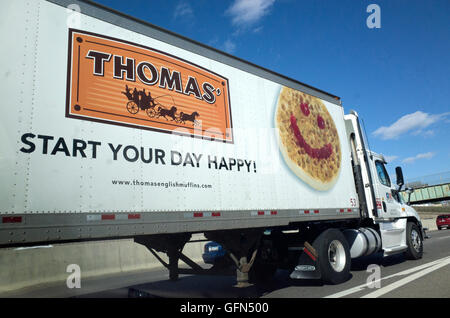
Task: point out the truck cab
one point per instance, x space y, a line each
393 212
392 205
382 206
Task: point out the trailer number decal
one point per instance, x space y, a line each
117 82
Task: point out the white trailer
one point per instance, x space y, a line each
114 128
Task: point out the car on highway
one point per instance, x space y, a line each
443 221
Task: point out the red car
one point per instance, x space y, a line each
443 221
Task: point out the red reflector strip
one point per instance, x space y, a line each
12 219
266 213
316 211
349 210
306 211
309 254
134 216
341 210
202 214
108 217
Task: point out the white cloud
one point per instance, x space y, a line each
414 123
257 29
390 158
213 41
427 155
183 9
229 46
248 12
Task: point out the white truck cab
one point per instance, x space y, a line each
399 225
392 203
393 212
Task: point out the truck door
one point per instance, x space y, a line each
390 207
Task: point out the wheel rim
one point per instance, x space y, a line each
336 256
151 112
415 240
132 108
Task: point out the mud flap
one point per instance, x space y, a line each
425 235
308 264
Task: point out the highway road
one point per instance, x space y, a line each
427 277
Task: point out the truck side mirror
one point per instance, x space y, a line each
409 191
400 181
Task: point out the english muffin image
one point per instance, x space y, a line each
308 138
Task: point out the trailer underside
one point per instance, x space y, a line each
34 228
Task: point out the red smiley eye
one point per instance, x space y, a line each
320 122
305 108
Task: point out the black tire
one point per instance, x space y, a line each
439 228
414 241
334 266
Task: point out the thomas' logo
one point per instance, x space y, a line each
122 83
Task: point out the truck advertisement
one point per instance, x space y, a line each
113 128
140 125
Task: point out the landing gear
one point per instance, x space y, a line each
173 246
242 247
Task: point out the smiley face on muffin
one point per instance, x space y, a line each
308 137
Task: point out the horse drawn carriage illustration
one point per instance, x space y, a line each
154 108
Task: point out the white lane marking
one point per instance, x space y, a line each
406 280
442 238
405 272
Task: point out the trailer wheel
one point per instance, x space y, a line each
333 256
414 242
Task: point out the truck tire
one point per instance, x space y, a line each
333 256
413 241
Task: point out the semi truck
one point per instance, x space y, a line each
112 128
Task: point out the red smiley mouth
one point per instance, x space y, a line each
317 153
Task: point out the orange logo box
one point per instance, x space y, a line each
121 83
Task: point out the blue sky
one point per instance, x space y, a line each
397 76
